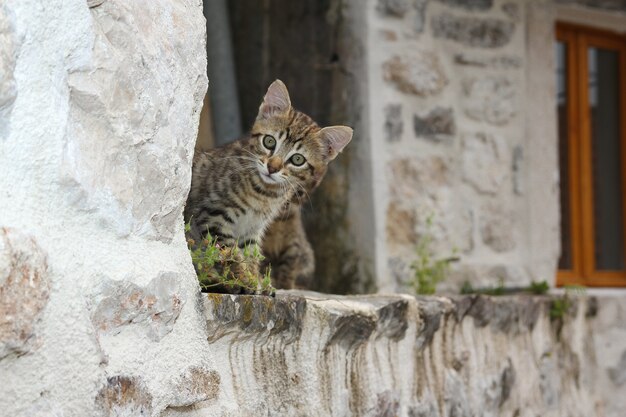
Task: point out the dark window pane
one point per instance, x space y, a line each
565 261
607 173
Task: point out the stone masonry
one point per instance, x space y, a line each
99 105
310 354
452 95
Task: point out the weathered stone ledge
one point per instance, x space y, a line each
309 354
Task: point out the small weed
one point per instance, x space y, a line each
539 287
230 268
429 271
561 305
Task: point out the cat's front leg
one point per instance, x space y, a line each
295 268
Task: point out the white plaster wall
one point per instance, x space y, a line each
99 114
541 164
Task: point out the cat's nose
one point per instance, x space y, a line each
274 164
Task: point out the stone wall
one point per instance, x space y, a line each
456 82
99 105
462 113
308 354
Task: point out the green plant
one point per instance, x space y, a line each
541 287
428 270
561 305
228 268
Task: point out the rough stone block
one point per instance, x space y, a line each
196 385
483 162
500 62
254 315
394 126
497 228
451 224
411 178
490 99
417 72
473 31
397 8
123 396
153 308
130 137
437 125
24 291
425 183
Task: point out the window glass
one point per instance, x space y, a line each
603 84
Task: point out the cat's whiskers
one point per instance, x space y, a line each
242 168
306 193
290 184
295 190
256 157
245 158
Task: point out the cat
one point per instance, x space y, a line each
287 250
238 189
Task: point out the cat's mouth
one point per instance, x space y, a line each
269 178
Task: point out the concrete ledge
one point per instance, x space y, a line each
308 354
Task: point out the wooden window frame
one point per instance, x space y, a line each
578 39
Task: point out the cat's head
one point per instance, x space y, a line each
292 149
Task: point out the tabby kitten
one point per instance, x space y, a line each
238 189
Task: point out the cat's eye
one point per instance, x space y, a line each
297 159
269 142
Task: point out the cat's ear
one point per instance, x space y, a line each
276 100
336 138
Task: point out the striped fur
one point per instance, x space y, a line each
288 251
